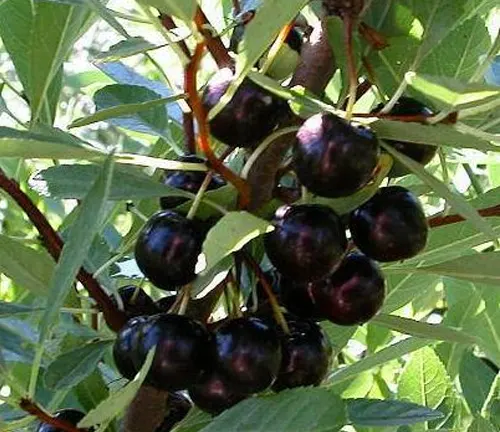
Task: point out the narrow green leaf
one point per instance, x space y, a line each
126 48
481 425
457 202
8 309
73 366
303 409
193 422
230 234
118 401
374 412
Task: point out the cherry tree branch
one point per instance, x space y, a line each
32 408
436 221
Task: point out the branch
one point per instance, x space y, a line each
58 424
437 221
54 244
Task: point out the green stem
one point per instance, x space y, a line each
199 196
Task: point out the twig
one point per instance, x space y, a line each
59 424
436 221
54 244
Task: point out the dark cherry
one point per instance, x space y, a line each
353 294
306 355
295 296
178 407
167 249
333 158
125 346
248 353
164 304
136 302
72 416
213 393
391 226
189 181
307 243
420 153
249 117
183 350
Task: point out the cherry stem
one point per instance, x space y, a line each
351 64
275 47
199 196
204 132
185 297
439 220
169 24
32 408
214 42
255 267
53 243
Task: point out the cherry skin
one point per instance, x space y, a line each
72 416
164 304
167 249
189 181
333 158
306 355
353 294
125 346
295 296
249 117
307 243
183 350
391 226
136 302
214 394
248 354
420 153
178 407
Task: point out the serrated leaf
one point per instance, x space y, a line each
74 366
302 409
373 412
424 379
230 234
8 309
111 407
457 202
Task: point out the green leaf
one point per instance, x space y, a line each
193 422
424 379
126 48
373 412
381 357
423 330
457 202
302 409
27 267
119 400
184 9
230 234
481 425
8 309
73 366
79 240
476 379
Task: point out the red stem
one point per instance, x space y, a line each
58 424
54 244
436 221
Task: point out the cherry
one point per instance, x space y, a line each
248 354
178 407
167 249
353 294
183 350
72 416
189 181
307 243
214 394
333 158
391 226
250 115
420 153
296 298
136 301
125 347
306 355
164 304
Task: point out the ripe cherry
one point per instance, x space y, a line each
420 153
183 350
165 303
307 243
189 181
306 355
249 117
248 354
136 301
125 347
391 226
296 298
167 249
213 393
353 294
178 407
333 158
69 415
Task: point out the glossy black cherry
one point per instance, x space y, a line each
248 354
125 346
353 294
72 416
333 158
136 302
295 296
167 249
391 226
307 243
